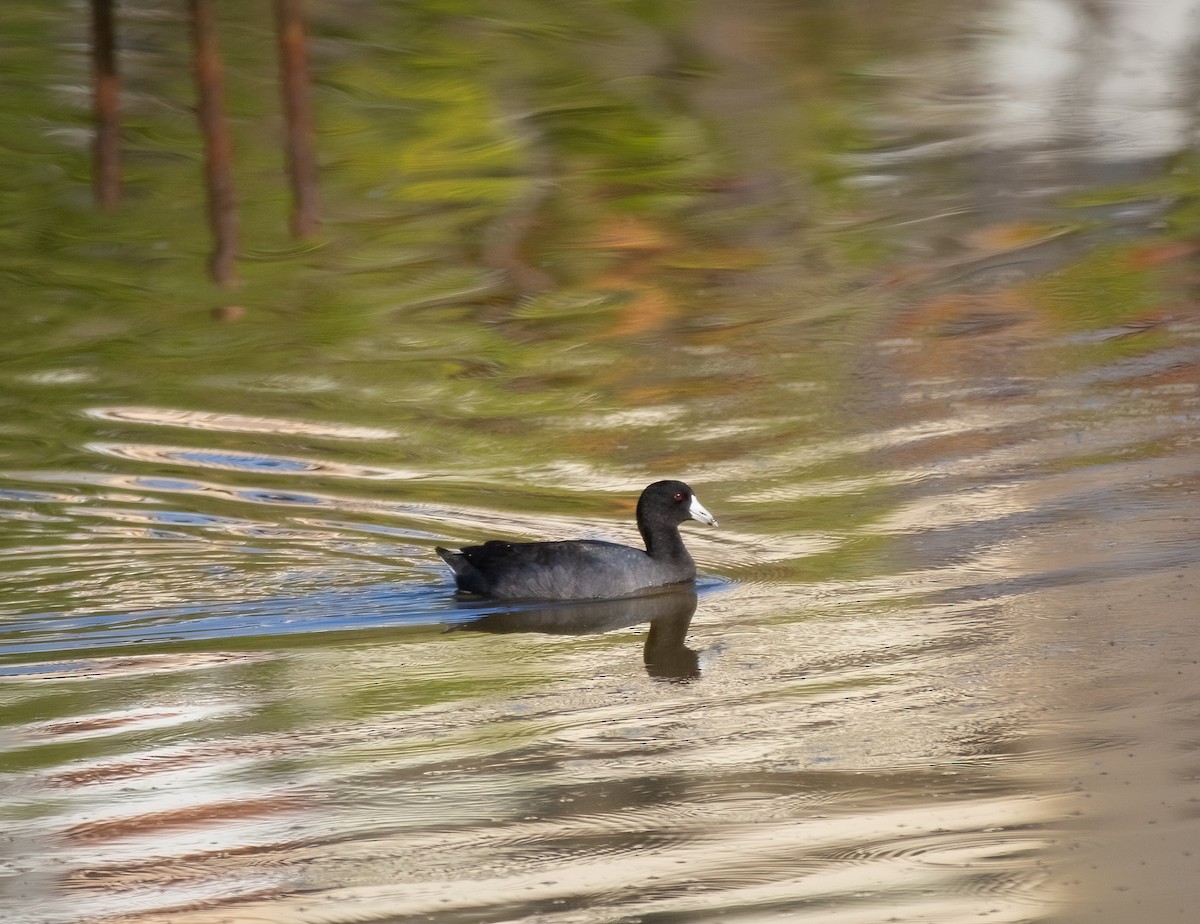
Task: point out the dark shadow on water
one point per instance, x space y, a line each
322 615
273 622
669 614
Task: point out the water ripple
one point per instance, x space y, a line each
245 462
236 423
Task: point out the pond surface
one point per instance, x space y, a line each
908 296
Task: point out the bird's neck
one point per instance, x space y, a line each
665 544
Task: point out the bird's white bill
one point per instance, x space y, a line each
697 512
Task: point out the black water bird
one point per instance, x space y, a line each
587 569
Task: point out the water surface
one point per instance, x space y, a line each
908 297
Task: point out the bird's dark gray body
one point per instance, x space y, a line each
569 570
587 569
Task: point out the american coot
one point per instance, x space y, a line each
586 569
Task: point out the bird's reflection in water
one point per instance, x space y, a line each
668 612
665 654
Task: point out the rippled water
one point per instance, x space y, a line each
922 331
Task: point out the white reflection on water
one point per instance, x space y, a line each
559 770
236 423
756 866
1112 74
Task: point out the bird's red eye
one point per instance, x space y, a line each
678 498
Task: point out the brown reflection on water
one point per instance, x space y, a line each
1115 660
1095 581
163 824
